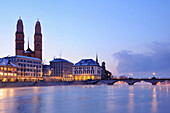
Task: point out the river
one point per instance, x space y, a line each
119 98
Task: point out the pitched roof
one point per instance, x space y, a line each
87 62
6 62
60 60
20 56
46 66
28 51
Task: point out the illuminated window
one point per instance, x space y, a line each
76 78
2 68
5 80
9 69
88 77
79 77
5 68
92 77
15 74
5 74
84 78
12 80
1 73
98 77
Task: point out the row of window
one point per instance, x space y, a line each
29 74
30 70
84 72
84 68
8 69
28 61
8 74
29 65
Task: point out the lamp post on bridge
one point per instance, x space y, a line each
153 76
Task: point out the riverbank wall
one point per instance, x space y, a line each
41 83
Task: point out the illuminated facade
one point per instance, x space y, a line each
8 71
87 69
61 68
19 41
30 68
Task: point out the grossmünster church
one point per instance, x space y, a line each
19 41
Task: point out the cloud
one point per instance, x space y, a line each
157 60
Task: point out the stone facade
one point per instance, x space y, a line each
8 71
87 69
19 41
29 68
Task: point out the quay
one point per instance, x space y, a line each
129 81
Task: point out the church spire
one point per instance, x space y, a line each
28 43
97 58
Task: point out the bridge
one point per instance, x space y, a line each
130 81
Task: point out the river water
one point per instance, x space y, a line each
120 98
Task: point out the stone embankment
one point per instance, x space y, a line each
42 83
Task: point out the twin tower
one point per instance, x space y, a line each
19 41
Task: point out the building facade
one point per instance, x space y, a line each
29 68
8 71
19 41
46 70
61 68
87 69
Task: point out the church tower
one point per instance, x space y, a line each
19 40
38 41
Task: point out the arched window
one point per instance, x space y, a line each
88 71
80 72
92 71
75 72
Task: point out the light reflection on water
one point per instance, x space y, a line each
86 99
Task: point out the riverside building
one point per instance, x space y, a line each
29 68
87 69
61 69
8 71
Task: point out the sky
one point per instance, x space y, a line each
131 36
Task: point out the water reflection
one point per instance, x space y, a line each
131 100
154 100
83 99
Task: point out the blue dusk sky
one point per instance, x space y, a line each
131 36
